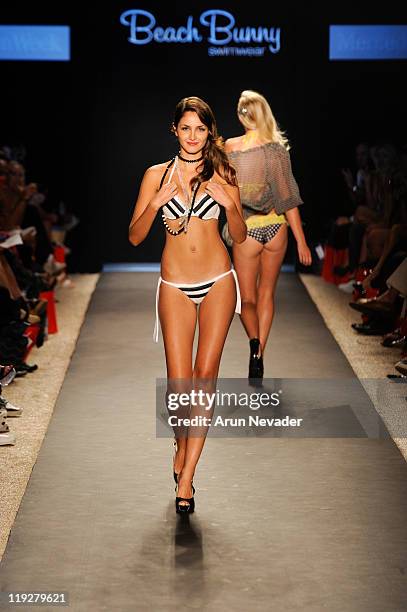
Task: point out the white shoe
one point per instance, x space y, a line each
67 282
401 366
8 378
53 267
3 420
58 266
12 411
7 438
347 287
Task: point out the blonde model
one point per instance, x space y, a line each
270 198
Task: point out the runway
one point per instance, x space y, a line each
281 523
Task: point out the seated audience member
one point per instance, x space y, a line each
387 194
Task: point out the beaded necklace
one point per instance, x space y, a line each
184 219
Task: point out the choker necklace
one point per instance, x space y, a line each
190 161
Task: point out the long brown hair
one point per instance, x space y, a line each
215 158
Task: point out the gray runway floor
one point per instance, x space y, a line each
281 523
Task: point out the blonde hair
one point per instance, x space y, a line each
255 113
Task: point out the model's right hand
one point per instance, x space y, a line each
304 254
163 195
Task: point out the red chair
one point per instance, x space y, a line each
332 258
51 311
32 334
59 254
360 274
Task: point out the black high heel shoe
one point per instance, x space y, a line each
185 508
256 367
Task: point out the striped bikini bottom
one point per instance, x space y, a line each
196 292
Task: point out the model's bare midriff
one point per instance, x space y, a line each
194 256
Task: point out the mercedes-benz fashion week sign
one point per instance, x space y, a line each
215 27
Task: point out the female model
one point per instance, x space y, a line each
270 197
195 264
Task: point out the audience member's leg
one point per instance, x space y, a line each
8 279
398 280
43 246
391 264
356 233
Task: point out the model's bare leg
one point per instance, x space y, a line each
246 261
178 316
215 316
272 257
375 242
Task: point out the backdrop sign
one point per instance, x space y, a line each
215 28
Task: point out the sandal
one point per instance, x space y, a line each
7 374
189 502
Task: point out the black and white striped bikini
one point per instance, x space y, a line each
205 208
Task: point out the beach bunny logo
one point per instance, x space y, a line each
217 27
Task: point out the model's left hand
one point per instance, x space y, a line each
219 194
304 254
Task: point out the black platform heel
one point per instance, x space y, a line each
256 367
185 508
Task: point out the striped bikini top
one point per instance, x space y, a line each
205 208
